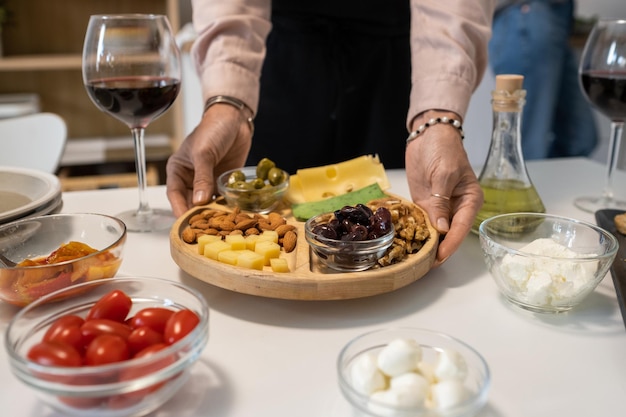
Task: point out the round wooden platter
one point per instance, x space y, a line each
307 279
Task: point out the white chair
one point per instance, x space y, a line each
34 141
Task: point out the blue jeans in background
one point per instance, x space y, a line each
532 39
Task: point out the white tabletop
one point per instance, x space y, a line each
276 358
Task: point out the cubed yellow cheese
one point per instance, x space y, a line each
236 242
251 242
268 235
211 250
268 249
279 265
251 260
204 239
228 256
318 183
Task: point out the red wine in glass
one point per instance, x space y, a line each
132 70
607 92
135 101
603 81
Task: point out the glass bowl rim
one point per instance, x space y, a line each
223 177
46 217
611 251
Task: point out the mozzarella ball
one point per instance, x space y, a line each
448 393
450 365
399 356
411 387
365 375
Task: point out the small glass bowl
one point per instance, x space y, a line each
130 388
542 280
342 255
39 236
262 200
476 383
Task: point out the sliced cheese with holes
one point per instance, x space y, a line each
319 183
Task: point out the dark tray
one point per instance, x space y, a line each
604 218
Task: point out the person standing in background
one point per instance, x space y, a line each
531 38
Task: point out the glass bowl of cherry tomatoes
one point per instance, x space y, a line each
118 347
43 254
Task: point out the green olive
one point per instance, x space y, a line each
257 183
263 167
236 176
276 176
242 185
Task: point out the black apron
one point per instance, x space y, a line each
335 83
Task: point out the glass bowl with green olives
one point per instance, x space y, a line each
254 188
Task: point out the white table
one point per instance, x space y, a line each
276 358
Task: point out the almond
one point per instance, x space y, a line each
245 224
275 219
284 228
196 218
188 235
226 225
289 241
252 231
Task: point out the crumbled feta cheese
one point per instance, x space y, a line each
547 280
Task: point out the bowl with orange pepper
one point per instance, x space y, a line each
44 254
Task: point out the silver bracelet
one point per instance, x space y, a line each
453 122
235 102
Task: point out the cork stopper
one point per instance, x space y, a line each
509 93
509 82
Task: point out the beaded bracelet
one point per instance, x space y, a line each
233 102
453 122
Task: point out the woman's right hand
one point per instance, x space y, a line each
220 142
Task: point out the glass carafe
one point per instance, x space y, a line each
504 179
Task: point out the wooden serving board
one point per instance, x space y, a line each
308 280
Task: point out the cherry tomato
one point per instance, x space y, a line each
143 337
106 348
54 354
66 329
125 400
153 317
92 328
113 306
180 325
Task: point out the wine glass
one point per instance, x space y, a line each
132 71
603 79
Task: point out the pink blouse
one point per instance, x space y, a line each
448 50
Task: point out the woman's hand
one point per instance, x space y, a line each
442 182
220 142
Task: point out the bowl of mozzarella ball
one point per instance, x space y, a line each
411 372
545 263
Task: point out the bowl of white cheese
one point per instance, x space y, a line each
412 372
546 263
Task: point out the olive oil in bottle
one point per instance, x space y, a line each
504 179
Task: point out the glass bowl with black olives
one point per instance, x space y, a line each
352 238
257 188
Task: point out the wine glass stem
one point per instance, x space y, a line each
614 145
140 166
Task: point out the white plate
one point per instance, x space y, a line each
23 191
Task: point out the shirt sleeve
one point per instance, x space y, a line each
229 50
448 53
